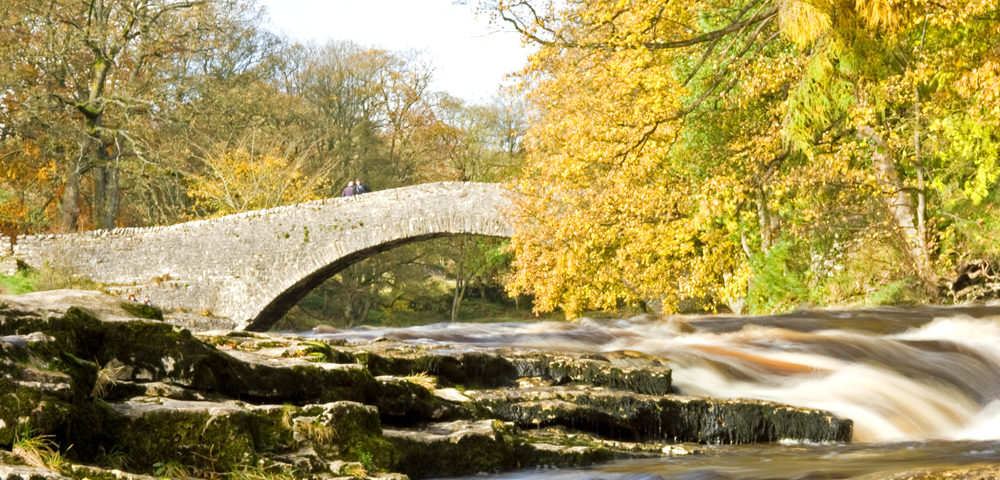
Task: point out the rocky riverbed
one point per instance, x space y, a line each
91 387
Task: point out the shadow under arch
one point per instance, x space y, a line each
284 301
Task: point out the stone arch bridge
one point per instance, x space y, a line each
252 267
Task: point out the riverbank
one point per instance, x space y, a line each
89 389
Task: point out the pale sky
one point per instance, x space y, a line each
470 56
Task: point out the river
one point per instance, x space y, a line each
922 384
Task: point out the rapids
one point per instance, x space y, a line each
921 383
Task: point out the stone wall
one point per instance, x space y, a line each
252 266
8 265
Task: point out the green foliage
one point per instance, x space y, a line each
969 231
840 271
823 98
112 458
896 293
374 454
23 281
28 279
969 159
365 458
781 279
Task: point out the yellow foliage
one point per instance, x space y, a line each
676 141
881 14
802 23
239 179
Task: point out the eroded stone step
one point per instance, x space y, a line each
473 368
621 415
462 448
620 370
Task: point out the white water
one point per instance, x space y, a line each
934 374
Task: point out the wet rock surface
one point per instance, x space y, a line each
609 414
96 392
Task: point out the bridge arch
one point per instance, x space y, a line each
252 267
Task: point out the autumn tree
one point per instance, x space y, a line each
90 82
684 148
254 173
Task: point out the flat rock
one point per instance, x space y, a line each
108 307
622 415
20 472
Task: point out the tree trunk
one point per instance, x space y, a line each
902 209
921 193
327 314
456 301
365 308
106 196
369 298
70 207
767 225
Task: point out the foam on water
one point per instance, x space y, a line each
984 426
937 379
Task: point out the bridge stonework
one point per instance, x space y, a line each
252 267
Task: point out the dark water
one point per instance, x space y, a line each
921 384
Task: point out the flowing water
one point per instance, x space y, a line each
922 384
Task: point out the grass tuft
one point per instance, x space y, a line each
316 433
261 473
171 469
423 379
39 452
107 376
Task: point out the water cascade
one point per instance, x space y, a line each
920 380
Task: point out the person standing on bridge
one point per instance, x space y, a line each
349 190
360 187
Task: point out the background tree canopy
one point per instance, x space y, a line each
759 153
137 112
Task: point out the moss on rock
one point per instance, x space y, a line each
27 409
468 369
141 310
348 430
454 448
401 402
210 436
